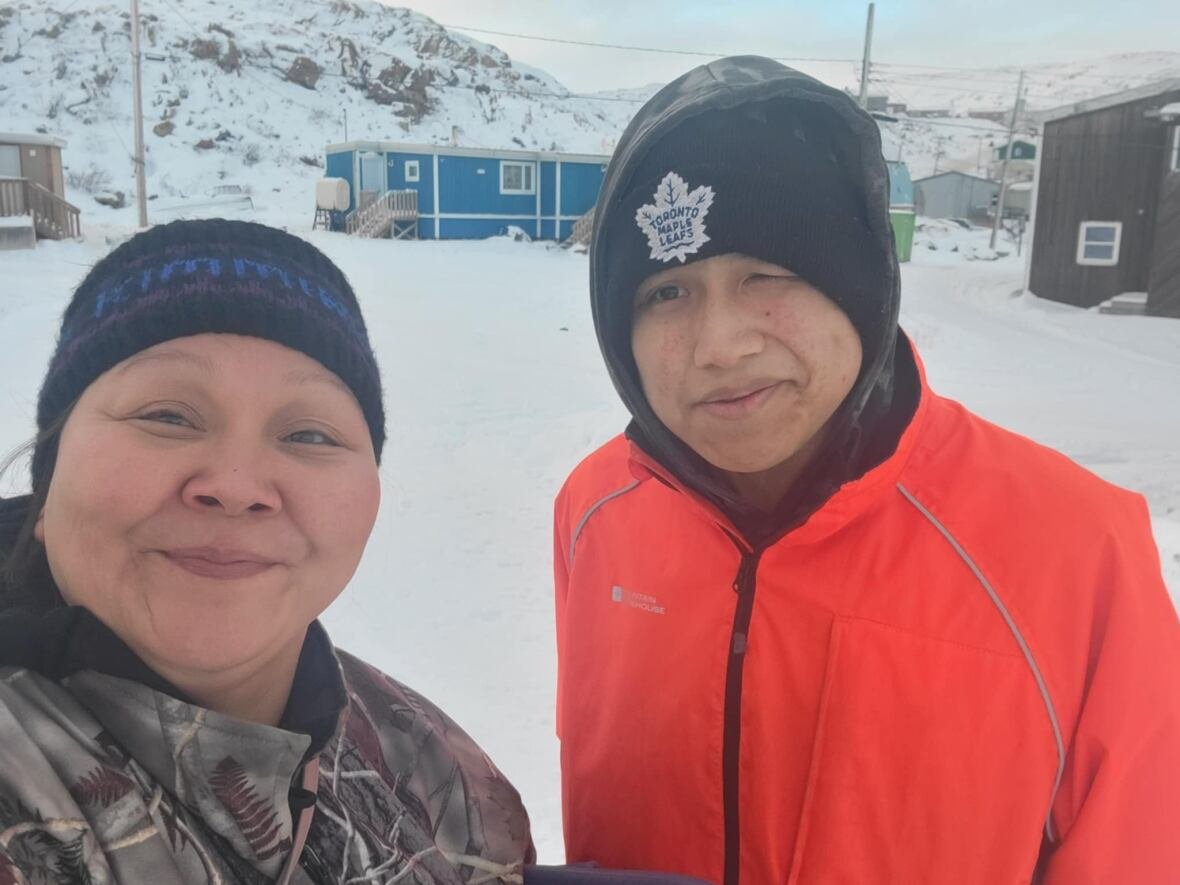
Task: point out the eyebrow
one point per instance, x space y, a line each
312 376
176 355
205 365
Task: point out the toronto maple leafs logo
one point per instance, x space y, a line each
675 224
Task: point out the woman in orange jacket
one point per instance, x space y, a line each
815 622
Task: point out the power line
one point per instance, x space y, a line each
694 52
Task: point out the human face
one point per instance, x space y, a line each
742 359
211 496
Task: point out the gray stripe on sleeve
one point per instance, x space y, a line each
586 516
1025 650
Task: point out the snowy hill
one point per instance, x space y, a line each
250 94
1046 85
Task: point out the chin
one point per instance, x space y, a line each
210 638
752 460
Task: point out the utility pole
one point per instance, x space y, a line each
1007 157
864 66
137 104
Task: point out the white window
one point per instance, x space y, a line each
1098 242
412 170
1174 166
517 178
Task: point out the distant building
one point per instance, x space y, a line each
901 208
1021 150
877 103
1020 167
955 195
992 116
1107 208
32 186
470 193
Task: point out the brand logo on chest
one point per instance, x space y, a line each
642 601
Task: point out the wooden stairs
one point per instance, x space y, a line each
52 217
580 234
393 214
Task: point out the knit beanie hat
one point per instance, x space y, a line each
213 275
776 180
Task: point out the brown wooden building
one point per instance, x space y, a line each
32 186
1107 210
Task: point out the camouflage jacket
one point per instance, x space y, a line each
108 779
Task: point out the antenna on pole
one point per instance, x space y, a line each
1007 157
137 104
864 67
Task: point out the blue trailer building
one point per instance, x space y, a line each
469 193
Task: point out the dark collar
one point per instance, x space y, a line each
70 639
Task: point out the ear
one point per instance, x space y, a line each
39 526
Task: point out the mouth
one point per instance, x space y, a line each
739 402
218 562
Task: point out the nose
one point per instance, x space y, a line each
233 483
725 332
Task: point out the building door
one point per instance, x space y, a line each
372 174
9 161
1163 288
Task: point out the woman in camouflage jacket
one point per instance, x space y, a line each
203 483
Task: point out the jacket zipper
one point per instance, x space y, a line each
743 585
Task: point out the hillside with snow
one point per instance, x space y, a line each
957 140
246 96
960 92
249 94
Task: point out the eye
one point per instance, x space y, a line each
663 293
781 278
166 416
311 437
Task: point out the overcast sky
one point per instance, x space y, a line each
930 32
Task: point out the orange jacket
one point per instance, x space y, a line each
963 668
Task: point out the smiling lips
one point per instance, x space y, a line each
218 562
739 402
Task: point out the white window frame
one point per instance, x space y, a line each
525 165
413 171
1084 228
1174 165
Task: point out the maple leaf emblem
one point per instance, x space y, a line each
675 223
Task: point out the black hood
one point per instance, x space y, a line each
867 425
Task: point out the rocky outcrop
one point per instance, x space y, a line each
304 72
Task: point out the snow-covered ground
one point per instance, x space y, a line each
496 388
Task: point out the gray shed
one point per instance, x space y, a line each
955 195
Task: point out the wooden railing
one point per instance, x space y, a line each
375 219
12 197
581 231
53 217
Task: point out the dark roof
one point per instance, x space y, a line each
956 172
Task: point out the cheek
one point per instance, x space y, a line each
99 488
342 512
661 354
